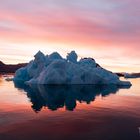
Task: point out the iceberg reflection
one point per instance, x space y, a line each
55 97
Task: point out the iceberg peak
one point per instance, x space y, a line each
55 55
72 57
38 54
39 57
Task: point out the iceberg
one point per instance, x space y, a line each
53 69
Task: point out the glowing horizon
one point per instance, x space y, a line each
106 30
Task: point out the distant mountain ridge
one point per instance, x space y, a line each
1 63
4 68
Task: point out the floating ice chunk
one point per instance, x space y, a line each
53 69
9 79
132 75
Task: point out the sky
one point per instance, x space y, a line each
107 30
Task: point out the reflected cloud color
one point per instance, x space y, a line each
107 30
17 119
55 97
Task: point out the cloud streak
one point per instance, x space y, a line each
103 25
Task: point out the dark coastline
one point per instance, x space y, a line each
4 68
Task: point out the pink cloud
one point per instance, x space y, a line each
106 25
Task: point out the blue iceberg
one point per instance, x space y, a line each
53 69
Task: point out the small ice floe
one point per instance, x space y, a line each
132 75
9 79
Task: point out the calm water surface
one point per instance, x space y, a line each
69 112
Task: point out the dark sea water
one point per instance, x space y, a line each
69 112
